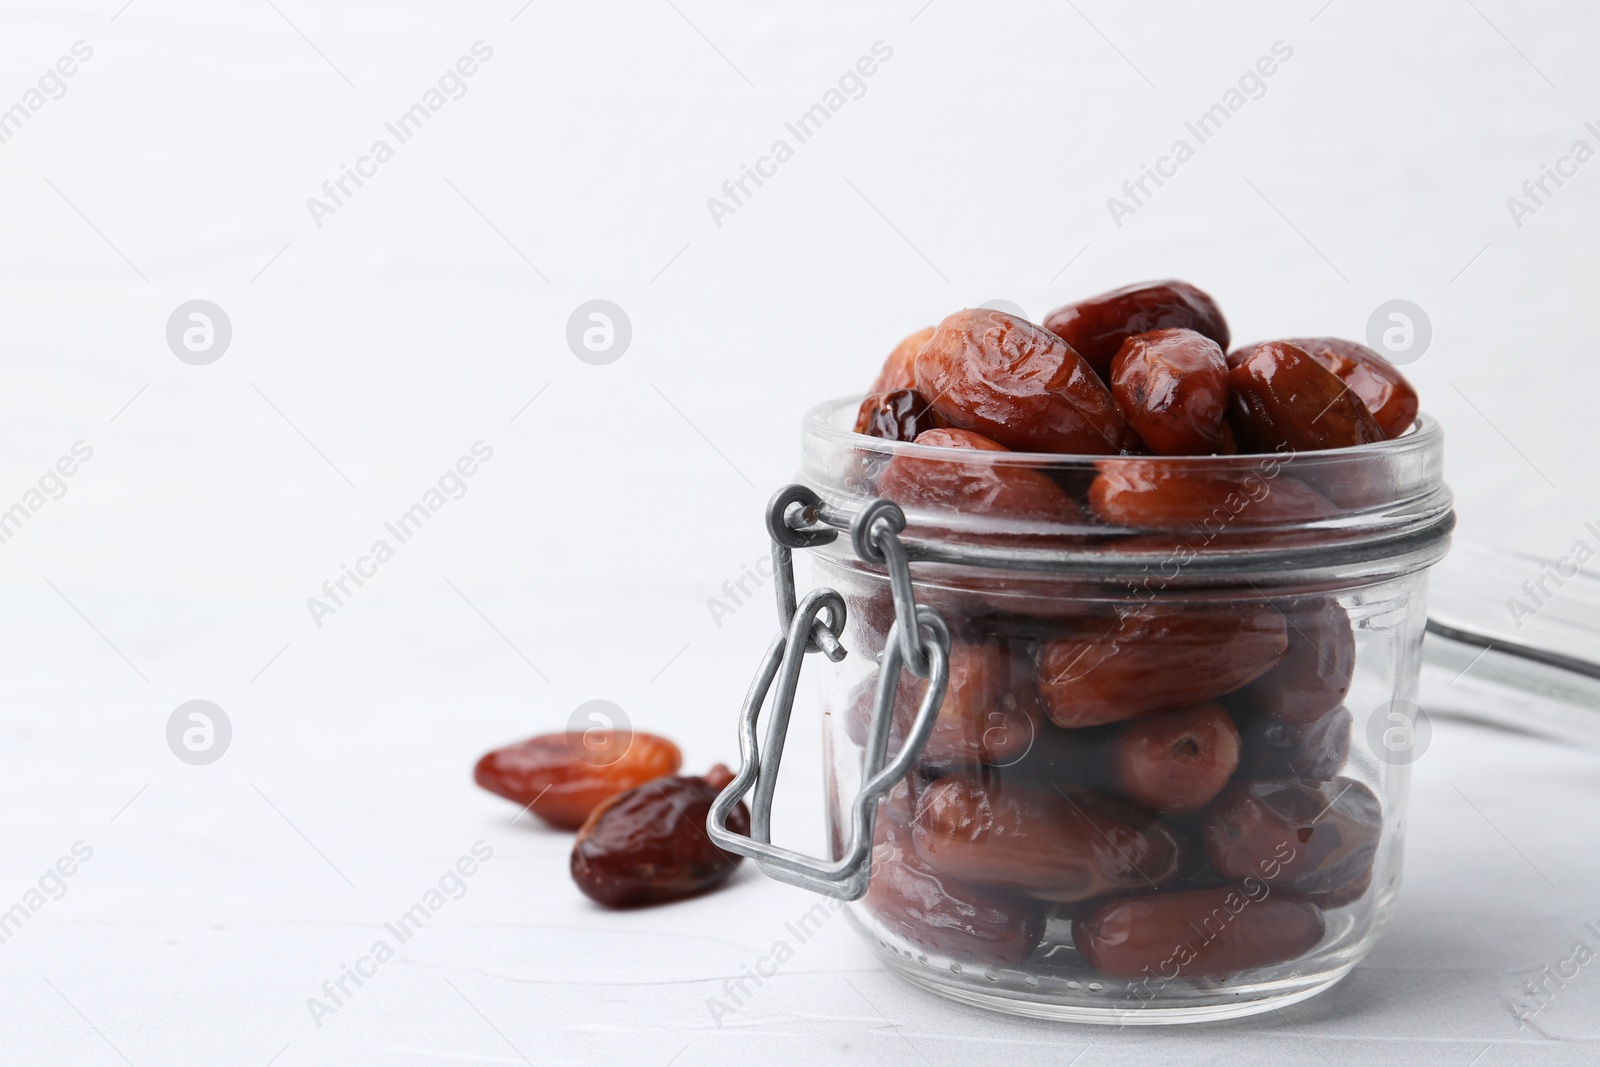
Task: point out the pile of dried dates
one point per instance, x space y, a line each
641 825
1163 771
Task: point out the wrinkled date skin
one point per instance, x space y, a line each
1096 327
1179 761
1173 387
971 924
1156 658
1017 384
1058 846
649 845
990 713
1199 933
976 487
1309 837
1379 383
1283 399
897 416
1312 751
900 369
1150 495
1314 674
565 776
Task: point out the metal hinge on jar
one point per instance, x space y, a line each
919 641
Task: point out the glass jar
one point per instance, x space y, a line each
1162 774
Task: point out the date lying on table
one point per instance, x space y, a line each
641 827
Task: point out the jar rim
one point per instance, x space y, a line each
823 421
1378 510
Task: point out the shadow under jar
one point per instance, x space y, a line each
1149 794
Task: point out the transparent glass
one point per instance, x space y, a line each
1168 779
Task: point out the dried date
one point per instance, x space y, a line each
972 487
1284 399
1154 658
649 845
1176 762
971 924
1309 837
1380 385
1173 387
1062 846
1096 327
1018 384
1198 933
562 777
900 369
897 416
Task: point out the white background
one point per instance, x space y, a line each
369 353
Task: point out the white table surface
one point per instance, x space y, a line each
369 353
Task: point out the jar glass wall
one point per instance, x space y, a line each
1168 778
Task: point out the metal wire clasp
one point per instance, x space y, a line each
919 641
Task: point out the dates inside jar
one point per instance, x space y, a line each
1017 384
1063 846
897 416
1096 327
1309 837
1155 657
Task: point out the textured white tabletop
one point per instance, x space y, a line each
376 338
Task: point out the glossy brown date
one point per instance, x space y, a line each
1273 748
1309 837
1062 846
1379 384
1173 387
897 416
899 371
1314 674
1198 933
563 777
1150 495
649 845
1018 384
1284 399
973 487
990 713
1096 327
1176 762
969 923
1155 658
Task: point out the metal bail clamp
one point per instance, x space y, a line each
919 641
